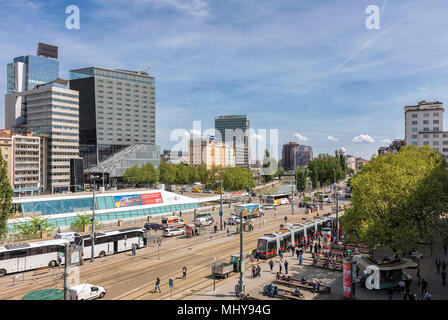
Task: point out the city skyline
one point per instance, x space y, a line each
285 64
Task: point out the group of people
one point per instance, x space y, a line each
281 263
256 271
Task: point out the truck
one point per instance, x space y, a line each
172 222
224 269
250 210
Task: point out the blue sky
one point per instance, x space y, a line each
310 69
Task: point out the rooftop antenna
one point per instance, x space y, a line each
144 70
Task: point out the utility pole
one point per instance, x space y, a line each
337 207
93 219
241 234
220 201
66 276
292 193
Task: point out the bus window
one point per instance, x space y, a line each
18 254
4 255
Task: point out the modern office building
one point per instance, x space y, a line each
424 126
302 156
288 152
234 130
22 154
295 156
26 72
51 112
117 110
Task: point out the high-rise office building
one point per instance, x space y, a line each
424 126
234 131
26 72
288 155
302 156
117 110
51 112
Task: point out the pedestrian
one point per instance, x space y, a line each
443 278
157 286
390 293
271 265
184 272
225 224
428 295
292 250
215 228
418 277
286 266
300 259
259 271
228 232
297 253
180 214
253 271
443 266
315 248
424 285
438 265
59 261
134 249
280 263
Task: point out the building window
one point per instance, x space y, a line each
425 121
425 129
435 129
414 115
415 122
436 114
435 121
435 135
414 129
426 115
425 136
435 143
414 136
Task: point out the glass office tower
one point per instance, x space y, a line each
26 72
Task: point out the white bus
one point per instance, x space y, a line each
114 241
33 255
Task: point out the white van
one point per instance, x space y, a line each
86 291
204 221
70 236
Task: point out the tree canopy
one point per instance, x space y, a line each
399 200
6 194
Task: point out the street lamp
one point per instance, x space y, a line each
220 201
292 193
93 218
337 207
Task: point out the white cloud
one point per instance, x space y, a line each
300 137
331 138
388 141
363 138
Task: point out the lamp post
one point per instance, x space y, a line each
292 193
337 207
93 218
220 200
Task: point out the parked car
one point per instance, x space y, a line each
207 191
86 291
196 190
173 232
153 226
329 200
253 194
268 207
70 236
347 196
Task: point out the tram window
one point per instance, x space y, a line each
18 254
271 246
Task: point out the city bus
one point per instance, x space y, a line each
278 199
111 242
33 255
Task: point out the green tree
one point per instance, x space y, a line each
181 173
167 173
193 175
132 175
314 178
399 200
147 174
203 173
6 194
35 225
301 177
82 220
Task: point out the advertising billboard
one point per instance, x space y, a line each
347 279
137 199
326 240
47 50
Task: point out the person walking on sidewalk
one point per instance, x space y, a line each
184 272
293 249
280 263
286 266
271 264
157 286
438 265
443 278
297 253
424 286
259 271
428 295
300 258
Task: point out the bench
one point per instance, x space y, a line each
306 285
329 265
283 293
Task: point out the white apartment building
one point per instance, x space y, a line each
424 126
211 153
351 162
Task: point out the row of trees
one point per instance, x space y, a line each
399 201
234 178
322 171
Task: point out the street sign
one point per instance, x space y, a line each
75 257
170 282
